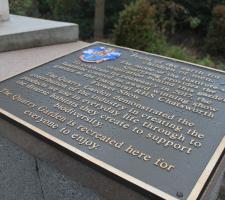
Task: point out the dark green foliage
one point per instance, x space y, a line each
82 12
200 10
44 8
182 53
169 15
136 28
112 9
77 11
207 61
195 22
179 53
24 7
215 42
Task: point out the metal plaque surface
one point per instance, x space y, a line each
154 121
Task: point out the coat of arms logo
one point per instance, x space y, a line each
100 54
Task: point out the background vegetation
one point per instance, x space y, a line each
188 30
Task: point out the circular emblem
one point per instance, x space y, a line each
100 54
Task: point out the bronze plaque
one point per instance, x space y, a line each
154 121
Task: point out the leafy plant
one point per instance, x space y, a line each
194 22
215 41
169 15
136 28
221 66
76 11
179 53
207 61
200 10
24 7
182 53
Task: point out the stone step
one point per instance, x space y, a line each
26 32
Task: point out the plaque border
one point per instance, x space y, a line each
195 192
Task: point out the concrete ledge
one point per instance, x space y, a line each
25 177
77 169
15 62
26 32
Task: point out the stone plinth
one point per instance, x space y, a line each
26 32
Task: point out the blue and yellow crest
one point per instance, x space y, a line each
99 54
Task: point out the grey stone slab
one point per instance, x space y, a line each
71 166
25 177
214 189
25 32
58 186
18 174
222 188
15 62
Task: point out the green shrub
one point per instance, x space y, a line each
169 15
194 22
180 53
24 7
215 42
82 12
136 28
221 66
112 9
198 10
207 61
76 11
44 8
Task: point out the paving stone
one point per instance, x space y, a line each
58 186
222 190
15 62
24 177
19 180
